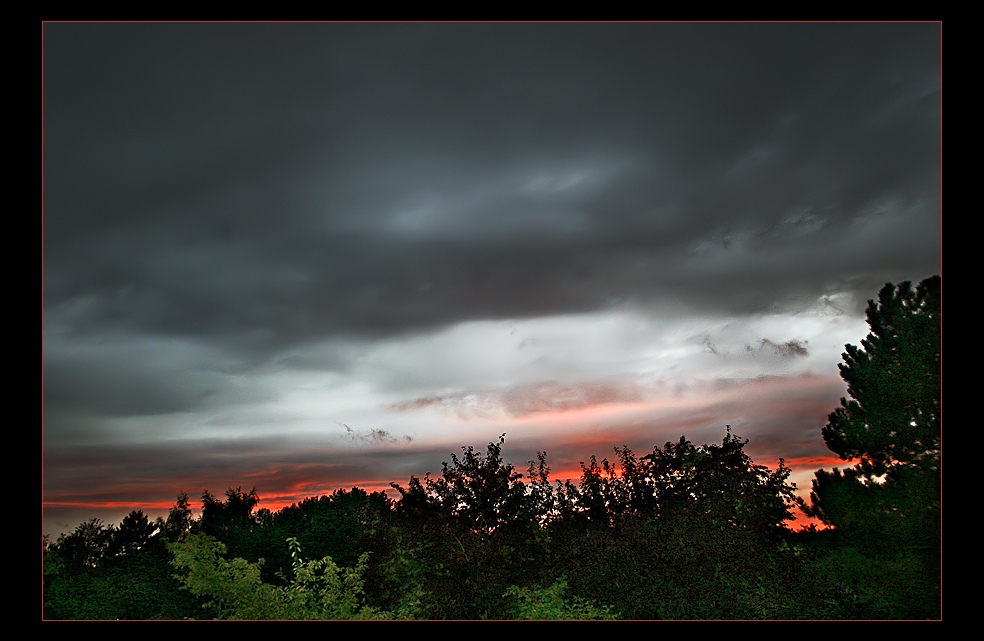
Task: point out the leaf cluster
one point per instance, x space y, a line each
318 589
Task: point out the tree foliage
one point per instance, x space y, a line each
107 572
479 533
86 546
887 508
719 482
179 520
317 589
550 604
133 534
465 536
893 412
704 512
235 514
482 493
891 422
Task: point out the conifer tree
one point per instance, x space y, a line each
893 381
888 505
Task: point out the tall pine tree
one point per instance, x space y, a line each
887 507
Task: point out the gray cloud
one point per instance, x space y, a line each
387 184
527 400
552 397
375 435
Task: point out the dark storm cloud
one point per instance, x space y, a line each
267 183
114 387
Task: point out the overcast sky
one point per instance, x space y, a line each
309 256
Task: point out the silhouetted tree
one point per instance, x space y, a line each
891 422
179 520
886 509
685 532
134 532
467 535
336 525
235 514
113 573
86 546
481 492
893 381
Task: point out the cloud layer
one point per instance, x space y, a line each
372 242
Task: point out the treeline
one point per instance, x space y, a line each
683 532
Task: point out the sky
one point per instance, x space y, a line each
303 257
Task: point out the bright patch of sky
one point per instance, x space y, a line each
492 373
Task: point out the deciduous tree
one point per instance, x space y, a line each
316 590
179 520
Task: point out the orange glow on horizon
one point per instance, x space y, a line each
817 462
280 488
136 505
587 413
